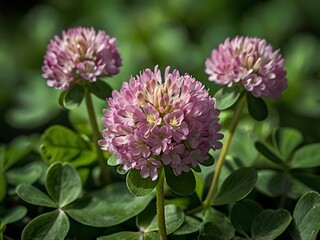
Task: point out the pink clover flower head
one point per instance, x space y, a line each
154 121
80 54
250 62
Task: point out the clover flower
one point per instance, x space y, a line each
152 122
250 62
80 54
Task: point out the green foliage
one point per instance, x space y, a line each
139 186
52 225
237 185
269 224
242 215
227 97
177 183
216 225
33 195
290 175
12 215
60 144
181 34
257 107
306 217
109 206
101 89
72 98
63 184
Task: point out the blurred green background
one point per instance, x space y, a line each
179 33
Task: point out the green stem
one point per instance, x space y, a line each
160 208
207 202
105 176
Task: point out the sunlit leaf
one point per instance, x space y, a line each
63 183
112 160
60 144
52 225
269 224
226 97
109 206
199 186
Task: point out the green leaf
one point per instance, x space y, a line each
309 179
209 161
63 183
33 195
73 97
109 206
242 215
174 217
257 107
269 224
226 96
306 157
139 186
120 170
190 225
287 140
61 98
199 186
216 226
122 236
112 160
52 225
178 183
3 186
151 236
271 183
60 144
27 174
15 214
306 217
13 153
101 89
268 153
237 185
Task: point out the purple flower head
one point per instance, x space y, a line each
154 121
81 53
250 62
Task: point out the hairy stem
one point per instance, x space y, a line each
207 202
160 208
105 176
